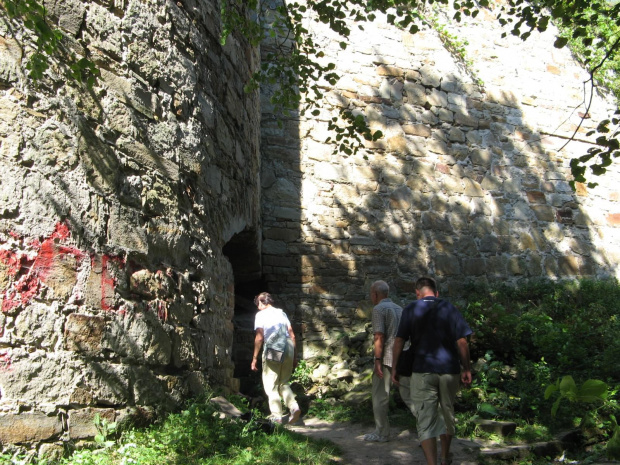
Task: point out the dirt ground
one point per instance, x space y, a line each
403 447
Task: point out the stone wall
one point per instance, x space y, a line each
116 204
470 182
129 212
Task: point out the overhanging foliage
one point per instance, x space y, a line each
294 64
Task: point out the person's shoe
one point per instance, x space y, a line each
446 461
374 437
295 416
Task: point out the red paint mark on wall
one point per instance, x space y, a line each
28 269
5 361
108 281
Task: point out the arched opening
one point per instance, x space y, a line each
243 252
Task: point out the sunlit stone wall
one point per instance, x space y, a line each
470 182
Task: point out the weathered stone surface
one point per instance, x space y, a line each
28 427
183 350
10 59
117 203
82 422
139 336
151 285
84 333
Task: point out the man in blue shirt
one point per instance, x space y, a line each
438 334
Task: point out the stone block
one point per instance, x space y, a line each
435 222
438 146
139 336
502 428
84 333
465 119
29 428
98 160
328 171
445 115
534 265
564 215
10 60
181 309
416 94
550 267
489 243
447 265
150 284
183 349
274 247
452 185
554 233
521 211
283 234
38 325
61 274
286 213
536 197
474 267
430 76
141 100
472 188
496 266
148 389
516 266
80 397
456 135
438 98
568 265
491 183
147 158
527 242
401 198
82 421
544 213
407 145
386 70
395 234
421 130
122 230
466 245
481 226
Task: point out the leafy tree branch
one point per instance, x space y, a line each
297 71
47 43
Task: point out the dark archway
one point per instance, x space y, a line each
243 252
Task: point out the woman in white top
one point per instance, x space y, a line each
271 324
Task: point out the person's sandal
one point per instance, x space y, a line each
447 460
374 437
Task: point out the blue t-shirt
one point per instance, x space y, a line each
433 330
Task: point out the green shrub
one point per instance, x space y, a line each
573 326
527 337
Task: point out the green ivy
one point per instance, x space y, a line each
48 43
455 45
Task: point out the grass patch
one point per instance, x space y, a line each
332 410
199 435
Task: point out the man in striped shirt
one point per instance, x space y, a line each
385 319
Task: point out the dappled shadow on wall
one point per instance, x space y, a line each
461 187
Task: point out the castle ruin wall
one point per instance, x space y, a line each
470 182
116 202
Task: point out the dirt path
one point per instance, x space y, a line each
403 447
